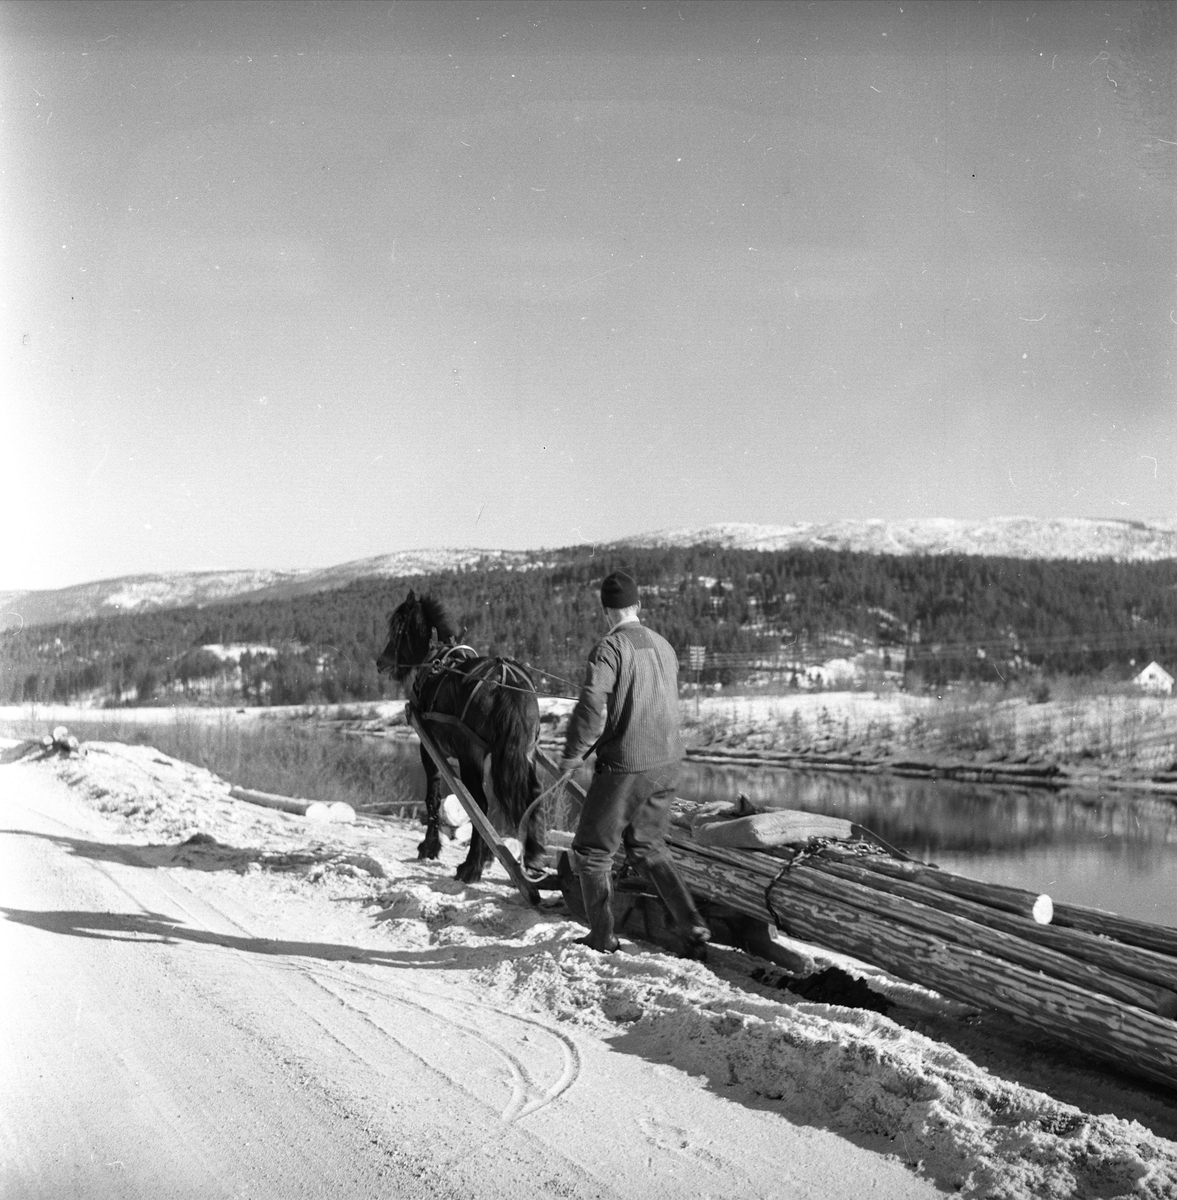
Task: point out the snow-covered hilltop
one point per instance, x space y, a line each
177 589
133 593
1010 537
1014 537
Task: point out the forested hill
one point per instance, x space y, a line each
954 616
1082 539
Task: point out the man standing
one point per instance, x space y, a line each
628 712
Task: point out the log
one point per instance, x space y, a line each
994 895
313 810
269 800
1131 961
478 818
1161 939
1120 1034
954 927
1019 774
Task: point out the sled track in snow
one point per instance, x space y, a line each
527 1094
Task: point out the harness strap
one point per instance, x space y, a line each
434 666
506 670
474 692
446 719
433 670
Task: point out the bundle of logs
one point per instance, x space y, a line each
1102 983
58 744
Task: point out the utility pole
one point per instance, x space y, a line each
697 659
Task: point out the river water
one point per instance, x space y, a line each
1106 851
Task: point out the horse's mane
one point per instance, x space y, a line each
435 617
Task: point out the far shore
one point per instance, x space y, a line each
1113 739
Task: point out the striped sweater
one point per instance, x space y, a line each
629 702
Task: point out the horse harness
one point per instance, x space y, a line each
497 672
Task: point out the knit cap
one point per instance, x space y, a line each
619 591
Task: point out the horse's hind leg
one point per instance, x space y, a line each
471 868
430 847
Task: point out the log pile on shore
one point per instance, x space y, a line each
1023 774
1104 984
1013 774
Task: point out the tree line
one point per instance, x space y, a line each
956 617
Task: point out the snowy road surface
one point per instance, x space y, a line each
186 1033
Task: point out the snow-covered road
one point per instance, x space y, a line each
174 1031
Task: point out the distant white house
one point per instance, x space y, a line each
1154 678
232 651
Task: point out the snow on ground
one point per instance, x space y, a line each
867 1078
739 715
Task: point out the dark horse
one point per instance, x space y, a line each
476 709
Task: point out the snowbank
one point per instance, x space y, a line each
854 1071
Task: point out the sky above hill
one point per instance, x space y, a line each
288 284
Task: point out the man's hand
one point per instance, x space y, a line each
568 765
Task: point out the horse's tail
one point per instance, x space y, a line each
515 732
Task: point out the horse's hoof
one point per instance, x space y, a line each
426 851
609 947
696 942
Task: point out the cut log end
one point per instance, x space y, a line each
336 812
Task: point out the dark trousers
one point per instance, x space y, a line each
630 807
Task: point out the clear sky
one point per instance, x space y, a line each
287 284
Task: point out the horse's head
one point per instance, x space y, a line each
415 625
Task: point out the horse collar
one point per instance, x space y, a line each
437 662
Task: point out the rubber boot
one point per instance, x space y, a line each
597 891
687 918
